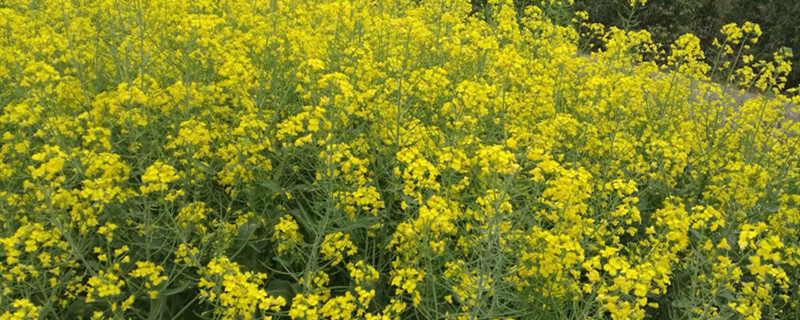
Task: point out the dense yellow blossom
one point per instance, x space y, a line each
384 160
236 292
153 274
157 176
23 309
287 235
335 246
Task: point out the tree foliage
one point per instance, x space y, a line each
669 19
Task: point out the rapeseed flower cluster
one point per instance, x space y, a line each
383 160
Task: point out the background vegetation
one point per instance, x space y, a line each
669 19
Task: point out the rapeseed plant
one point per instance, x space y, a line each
381 160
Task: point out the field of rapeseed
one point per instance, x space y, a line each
395 159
